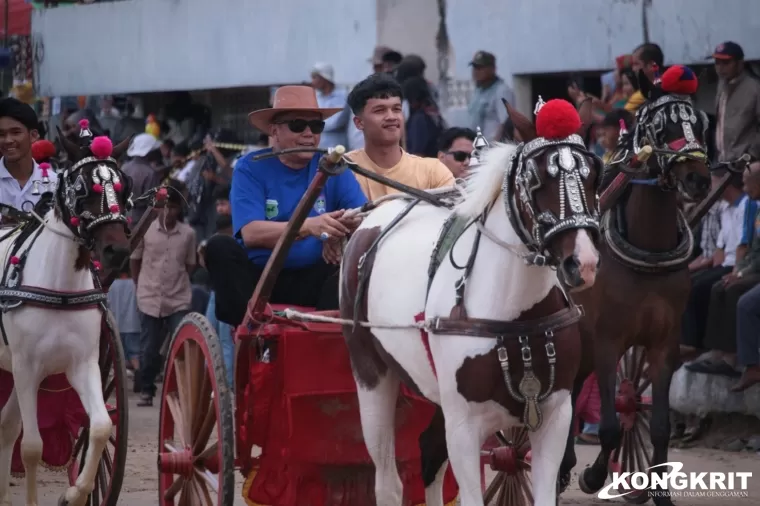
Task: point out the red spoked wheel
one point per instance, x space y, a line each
633 404
508 453
196 445
113 374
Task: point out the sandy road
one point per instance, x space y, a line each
140 482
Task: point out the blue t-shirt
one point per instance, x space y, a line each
270 190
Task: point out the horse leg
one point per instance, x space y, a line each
434 458
377 407
569 459
659 424
27 381
10 428
592 479
545 459
465 433
85 379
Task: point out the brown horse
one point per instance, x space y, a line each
643 286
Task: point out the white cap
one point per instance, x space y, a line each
324 70
142 145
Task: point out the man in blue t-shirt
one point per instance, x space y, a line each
263 197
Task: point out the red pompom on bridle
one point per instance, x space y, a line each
101 147
557 119
43 150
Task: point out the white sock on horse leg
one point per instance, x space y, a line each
545 442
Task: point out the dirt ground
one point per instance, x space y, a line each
140 482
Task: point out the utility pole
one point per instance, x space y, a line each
442 45
645 4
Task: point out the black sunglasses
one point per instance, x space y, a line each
297 126
460 156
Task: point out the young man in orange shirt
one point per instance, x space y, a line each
376 104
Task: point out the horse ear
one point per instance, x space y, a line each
522 124
586 113
121 147
72 149
645 85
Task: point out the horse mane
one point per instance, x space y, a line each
483 184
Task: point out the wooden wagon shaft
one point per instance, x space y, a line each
276 261
701 209
620 183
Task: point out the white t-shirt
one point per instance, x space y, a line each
731 228
12 194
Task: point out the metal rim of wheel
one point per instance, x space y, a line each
110 474
512 487
634 409
193 468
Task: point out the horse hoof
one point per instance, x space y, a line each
584 477
563 482
62 501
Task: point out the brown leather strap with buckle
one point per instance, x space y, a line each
477 327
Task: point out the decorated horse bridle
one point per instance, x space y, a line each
567 160
107 179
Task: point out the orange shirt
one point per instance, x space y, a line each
411 170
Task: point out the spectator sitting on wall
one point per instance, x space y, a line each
425 124
455 149
720 334
735 205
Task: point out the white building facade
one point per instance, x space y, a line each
133 46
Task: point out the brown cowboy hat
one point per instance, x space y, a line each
290 99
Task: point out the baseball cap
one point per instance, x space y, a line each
728 51
381 54
324 70
483 59
142 145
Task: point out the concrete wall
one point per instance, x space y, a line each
155 45
547 36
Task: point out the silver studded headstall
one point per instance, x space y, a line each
105 179
567 161
653 119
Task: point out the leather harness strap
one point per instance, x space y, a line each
477 327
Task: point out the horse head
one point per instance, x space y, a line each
676 131
551 190
93 196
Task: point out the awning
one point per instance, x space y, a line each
19 17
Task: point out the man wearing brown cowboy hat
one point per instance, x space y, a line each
263 197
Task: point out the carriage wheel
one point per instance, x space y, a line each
196 454
633 403
508 453
110 474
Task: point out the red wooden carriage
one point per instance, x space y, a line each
297 435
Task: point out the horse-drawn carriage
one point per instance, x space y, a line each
292 426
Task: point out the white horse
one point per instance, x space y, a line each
460 373
43 271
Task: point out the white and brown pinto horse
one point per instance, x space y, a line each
52 307
532 208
